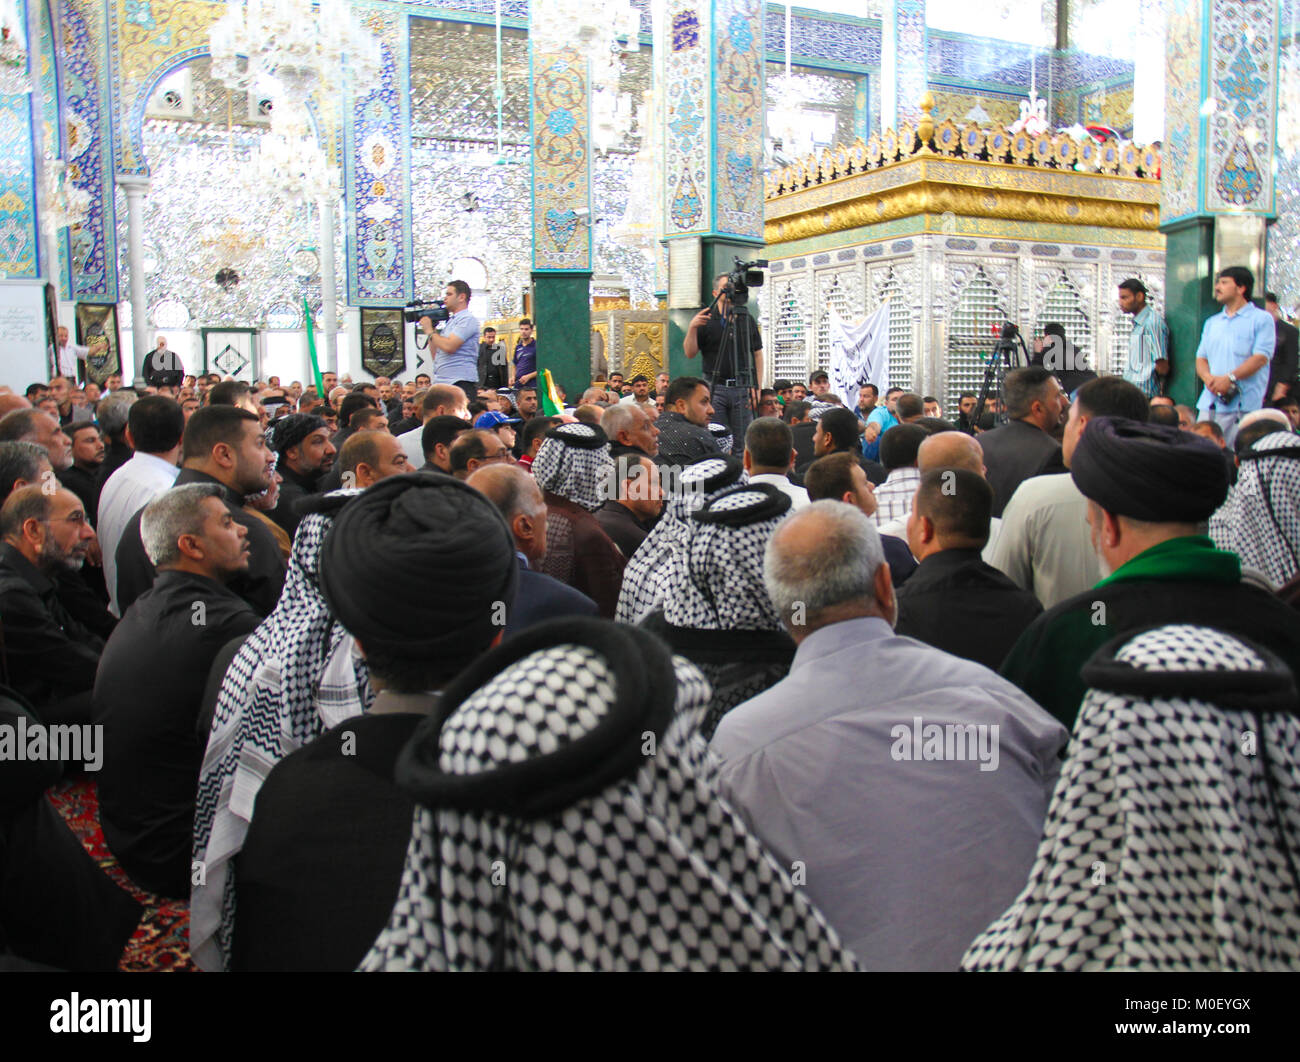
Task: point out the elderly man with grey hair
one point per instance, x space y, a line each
152 746
906 787
113 412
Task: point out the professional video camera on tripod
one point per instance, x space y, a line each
1010 353
727 336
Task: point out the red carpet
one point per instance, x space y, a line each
161 940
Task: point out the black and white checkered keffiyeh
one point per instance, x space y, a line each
648 869
1260 520
574 462
296 676
1172 836
722 436
649 570
716 582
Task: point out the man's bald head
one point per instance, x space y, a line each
510 488
950 449
1284 423
9 402
518 498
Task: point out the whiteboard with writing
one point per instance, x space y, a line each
24 355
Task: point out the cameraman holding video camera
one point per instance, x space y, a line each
735 372
456 343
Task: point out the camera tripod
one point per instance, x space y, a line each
995 371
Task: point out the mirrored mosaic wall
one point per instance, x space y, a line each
1284 233
468 202
205 213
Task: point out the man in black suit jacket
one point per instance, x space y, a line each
1023 447
1284 369
538 597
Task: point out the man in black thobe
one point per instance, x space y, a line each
152 748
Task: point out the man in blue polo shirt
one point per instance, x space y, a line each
456 343
1232 360
879 421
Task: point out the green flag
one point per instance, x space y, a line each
311 351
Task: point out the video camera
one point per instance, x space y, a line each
435 310
746 275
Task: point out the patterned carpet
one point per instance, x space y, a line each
161 940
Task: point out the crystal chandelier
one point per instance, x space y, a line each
302 47
63 204
290 163
13 51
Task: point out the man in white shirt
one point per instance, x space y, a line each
440 400
68 354
906 785
640 393
153 429
769 455
1045 544
898 450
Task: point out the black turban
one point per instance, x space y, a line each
1148 471
457 559
291 430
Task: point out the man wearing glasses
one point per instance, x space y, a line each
51 657
477 449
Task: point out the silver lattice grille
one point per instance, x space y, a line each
972 338
1065 305
900 334
833 297
789 344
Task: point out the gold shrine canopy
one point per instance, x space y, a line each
969 180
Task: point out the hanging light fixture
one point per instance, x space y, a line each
14 79
63 204
302 47
290 163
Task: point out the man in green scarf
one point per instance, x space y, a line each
1150 491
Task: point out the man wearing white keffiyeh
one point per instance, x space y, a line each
296 676
576 473
1260 520
649 570
717 612
1172 837
586 836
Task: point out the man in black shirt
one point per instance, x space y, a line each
628 519
223 445
304 451
954 601
683 428
50 657
732 371
153 750
82 476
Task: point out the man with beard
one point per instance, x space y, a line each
82 476
223 445
51 657
303 449
1150 490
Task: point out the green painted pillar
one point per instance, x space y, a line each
559 91
1217 193
562 317
711 57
